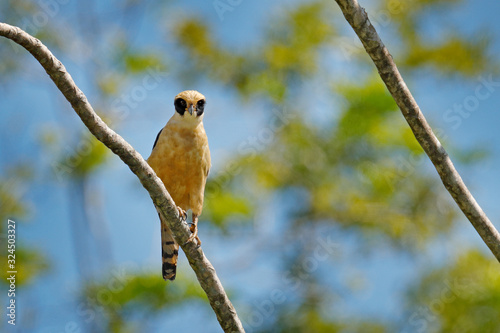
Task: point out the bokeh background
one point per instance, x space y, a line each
322 213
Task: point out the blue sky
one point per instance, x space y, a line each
30 104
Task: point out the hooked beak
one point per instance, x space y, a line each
190 110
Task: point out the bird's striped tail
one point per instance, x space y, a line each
169 252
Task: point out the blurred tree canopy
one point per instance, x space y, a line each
359 175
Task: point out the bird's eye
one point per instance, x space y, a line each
179 102
201 103
180 106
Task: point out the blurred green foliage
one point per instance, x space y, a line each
451 54
363 173
115 301
136 63
222 206
290 52
88 156
29 261
308 319
464 297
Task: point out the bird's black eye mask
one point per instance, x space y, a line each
200 107
180 106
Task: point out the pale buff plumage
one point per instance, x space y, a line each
181 159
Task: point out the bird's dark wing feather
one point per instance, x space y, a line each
157 137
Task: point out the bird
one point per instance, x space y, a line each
181 159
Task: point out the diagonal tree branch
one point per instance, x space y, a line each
358 19
205 272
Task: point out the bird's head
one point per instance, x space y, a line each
190 105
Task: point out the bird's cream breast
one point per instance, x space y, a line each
181 160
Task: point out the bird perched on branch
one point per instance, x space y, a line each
181 159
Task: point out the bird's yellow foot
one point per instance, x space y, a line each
182 213
194 231
194 234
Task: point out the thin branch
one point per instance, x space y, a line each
358 19
205 272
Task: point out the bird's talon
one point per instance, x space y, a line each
194 235
182 213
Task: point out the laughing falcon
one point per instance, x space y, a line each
181 159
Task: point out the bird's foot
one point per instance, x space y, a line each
182 213
194 234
